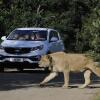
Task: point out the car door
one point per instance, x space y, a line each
55 42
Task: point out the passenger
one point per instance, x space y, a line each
21 38
38 37
16 36
26 37
32 37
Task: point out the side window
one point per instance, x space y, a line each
53 34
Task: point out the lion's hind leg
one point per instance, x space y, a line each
49 77
87 75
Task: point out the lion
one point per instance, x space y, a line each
66 63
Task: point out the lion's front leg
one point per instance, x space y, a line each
66 79
49 77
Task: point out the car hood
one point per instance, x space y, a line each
15 43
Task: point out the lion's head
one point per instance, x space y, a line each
44 61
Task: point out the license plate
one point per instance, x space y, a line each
16 59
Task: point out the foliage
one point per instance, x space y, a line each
77 20
89 37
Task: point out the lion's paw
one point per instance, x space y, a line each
41 85
81 87
65 87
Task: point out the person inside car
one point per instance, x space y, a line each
32 37
26 37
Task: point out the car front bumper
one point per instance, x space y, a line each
19 61
18 65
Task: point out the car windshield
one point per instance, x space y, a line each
29 35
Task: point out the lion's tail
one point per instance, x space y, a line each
96 70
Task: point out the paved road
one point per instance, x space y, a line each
25 86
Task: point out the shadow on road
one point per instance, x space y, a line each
29 78
14 80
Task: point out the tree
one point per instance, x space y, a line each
77 20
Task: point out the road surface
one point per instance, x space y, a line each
25 86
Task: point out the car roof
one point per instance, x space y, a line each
34 28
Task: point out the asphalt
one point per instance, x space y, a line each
24 85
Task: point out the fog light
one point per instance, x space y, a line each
35 58
38 57
1 57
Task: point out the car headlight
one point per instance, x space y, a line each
37 48
1 57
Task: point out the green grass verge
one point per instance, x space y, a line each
97 96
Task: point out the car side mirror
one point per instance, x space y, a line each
3 38
53 39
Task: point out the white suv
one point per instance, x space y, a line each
24 47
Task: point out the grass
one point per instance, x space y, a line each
97 96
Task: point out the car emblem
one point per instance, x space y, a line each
17 50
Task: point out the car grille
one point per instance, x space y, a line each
17 50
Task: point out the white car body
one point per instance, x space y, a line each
15 51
